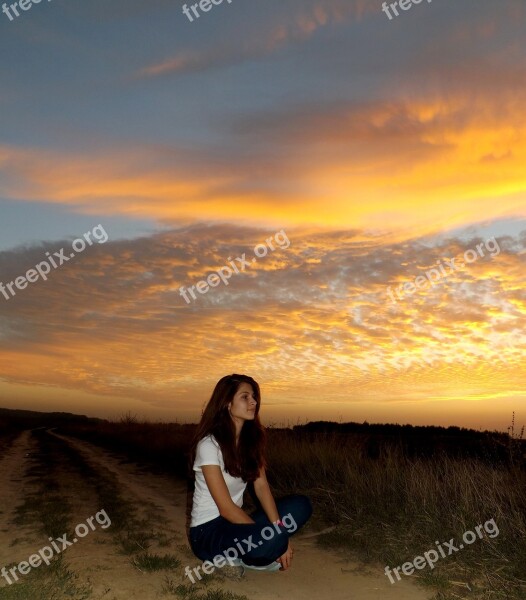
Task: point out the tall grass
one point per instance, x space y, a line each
392 508
161 444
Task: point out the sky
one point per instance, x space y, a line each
347 184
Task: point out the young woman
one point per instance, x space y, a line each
228 452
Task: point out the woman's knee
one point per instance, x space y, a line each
295 510
302 503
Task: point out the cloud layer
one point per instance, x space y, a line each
314 316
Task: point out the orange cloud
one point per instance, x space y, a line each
352 166
313 322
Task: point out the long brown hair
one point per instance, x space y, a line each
246 460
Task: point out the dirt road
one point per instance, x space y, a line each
97 562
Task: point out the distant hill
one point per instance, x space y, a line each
387 428
33 418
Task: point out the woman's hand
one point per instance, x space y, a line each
286 559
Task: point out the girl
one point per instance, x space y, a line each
227 452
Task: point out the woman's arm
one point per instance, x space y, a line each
219 491
262 489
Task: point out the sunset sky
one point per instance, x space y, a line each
380 149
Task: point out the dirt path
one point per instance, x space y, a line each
97 561
13 488
12 467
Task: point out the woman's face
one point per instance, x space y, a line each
243 405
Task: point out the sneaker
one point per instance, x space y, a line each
274 566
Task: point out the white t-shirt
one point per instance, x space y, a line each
204 508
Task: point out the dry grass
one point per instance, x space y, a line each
392 508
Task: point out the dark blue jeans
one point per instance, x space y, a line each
258 543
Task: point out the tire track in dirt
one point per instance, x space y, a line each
96 560
13 487
101 562
162 494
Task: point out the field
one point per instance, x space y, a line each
381 495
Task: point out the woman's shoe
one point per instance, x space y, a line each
274 566
232 572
